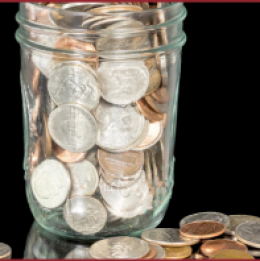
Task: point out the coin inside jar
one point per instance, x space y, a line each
202 229
212 246
154 82
231 254
158 107
116 9
177 252
161 95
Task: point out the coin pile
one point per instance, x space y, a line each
98 126
5 251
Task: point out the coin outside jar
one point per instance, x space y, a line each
231 254
5 251
177 252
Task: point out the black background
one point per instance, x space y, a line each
217 144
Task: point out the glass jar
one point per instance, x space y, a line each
100 88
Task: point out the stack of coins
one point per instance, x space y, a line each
97 152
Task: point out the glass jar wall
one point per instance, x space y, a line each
100 89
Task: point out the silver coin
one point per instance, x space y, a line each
5 251
119 127
84 178
123 82
167 237
104 23
160 252
119 248
124 199
74 82
214 216
43 63
254 252
73 128
249 233
51 183
79 252
85 215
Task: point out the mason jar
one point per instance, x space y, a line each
100 88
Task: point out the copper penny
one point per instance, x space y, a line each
35 80
212 246
46 138
156 106
121 165
147 111
67 156
154 134
152 252
202 229
36 153
161 95
230 254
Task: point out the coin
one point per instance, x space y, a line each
46 139
254 251
50 183
161 95
104 23
81 7
154 134
202 229
214 216
116 9
74 82
160 252
177 252
119 248
152 252
5 251
121 165
231 254
248 233
123 82
85 215
150 63
73 128
236 220
79 252
167 237
67 156
212 246
156 106
119 127
154 82
84 178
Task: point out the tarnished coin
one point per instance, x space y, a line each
5 251
152 252
50 183
202 229
67 156
84 178
249 233
236 220
161 95
177 252
74 82
212 246
121 165
123 82
85 215
79 252
167 237
156 106
160 252
119 127
73 128
154 134
214 216
231 254
119 248
154 82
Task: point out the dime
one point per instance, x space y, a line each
74 82
67 156
5 251
160 252
156 106
85 215
202 229
161 95
84 178
248 233
236 220
73 128
154 82
79 252
152 252
147 111
119 127
121 165
212 246
167 237
231 254
154 134
214 216
119 248
123 82
50 183
177 252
